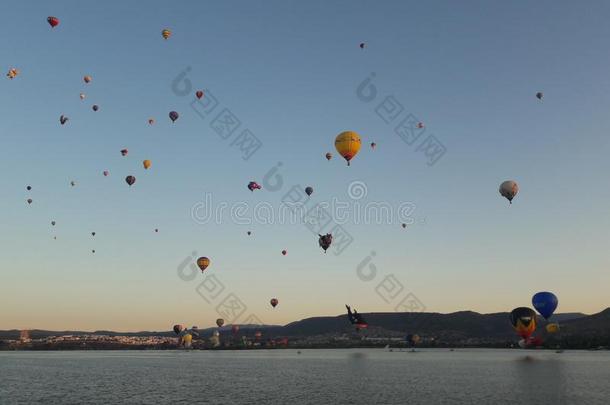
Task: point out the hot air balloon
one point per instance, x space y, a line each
93 251
166 33
124 152
284 252
105 173
199 94
412 340
130 180
92 233
95 107
254 186
156 230
362 45
28 188
552 328
178 329
203 263
12 73
29 200
373 145
348 144
53 223
173 115
151 121
82 96
356 319
53 21
509 190
147 163
63 119
329 156
404 225
545 303
539 95
325 241
274 302
523 320
309 190
220 322
73 183
87 79
420 125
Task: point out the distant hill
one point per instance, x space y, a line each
456 326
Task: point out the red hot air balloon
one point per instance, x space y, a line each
130 180
254 186
199 94
53 21
274 302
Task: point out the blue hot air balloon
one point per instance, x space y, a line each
545 303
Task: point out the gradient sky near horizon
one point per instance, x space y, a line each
289 71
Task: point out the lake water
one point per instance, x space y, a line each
355 376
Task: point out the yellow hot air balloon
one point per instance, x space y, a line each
166 33
186 340
348 144
147 163
552 328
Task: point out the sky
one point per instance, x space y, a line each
292 74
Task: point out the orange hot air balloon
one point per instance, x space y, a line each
87 79
166 33
147 163
523 320
348 144
274 302
203 263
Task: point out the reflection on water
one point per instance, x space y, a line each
540 380
354 376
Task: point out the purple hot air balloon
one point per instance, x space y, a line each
173 115
130 180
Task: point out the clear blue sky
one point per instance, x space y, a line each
289 71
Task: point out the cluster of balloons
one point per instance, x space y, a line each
524 319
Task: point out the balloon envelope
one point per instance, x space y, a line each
274 302
203 263
523 320
220 322
509 189
173 115
545 303
130 180
348 144
53 21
